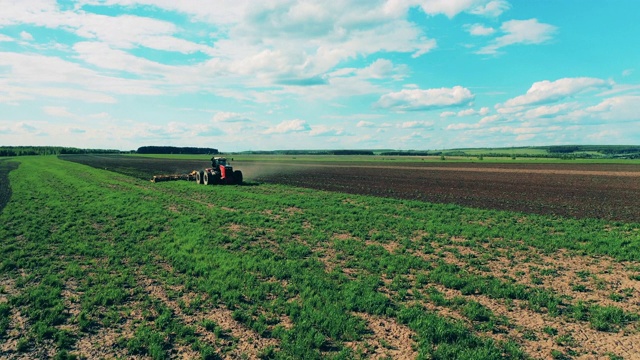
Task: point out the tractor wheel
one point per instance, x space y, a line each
200 177
209 178
237 177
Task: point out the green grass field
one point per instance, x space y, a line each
97 264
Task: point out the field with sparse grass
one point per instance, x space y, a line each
97 264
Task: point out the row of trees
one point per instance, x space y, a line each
176 150
311 152
49 150
603 149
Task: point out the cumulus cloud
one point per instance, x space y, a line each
552 91
489 119
230 117
520 32
416 125
365 124
417 99
617 108
288 126
466 112
58 111
5 38
492 8
462 126
479 30
547 111
323 130
26 36
451 8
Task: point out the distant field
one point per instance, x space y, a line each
379 158
98 264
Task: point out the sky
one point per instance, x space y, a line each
241 75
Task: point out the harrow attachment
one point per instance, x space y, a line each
161 178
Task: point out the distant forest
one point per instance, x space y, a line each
311 152
50 150
176 150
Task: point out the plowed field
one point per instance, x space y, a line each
605 191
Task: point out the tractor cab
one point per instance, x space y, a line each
216 162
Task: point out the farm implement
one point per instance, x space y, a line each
219 173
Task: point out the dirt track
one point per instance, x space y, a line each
5 188
605 191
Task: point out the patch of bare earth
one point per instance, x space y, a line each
17 322
601 276
591 279
528 329
248 342
103 344
7 289
388 339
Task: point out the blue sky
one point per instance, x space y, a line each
282 74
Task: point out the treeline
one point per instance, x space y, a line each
311 152
410 153
176 150
50 150
603 149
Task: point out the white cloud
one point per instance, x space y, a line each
220 11
58 111
462 126
380 69
416 125
230 117
617 108
288 126
479 30
416 99
493 8
627 72
545 111
26 36
489 119
467 112
551 91
31 75
520 32
451 8
102 55
365 124
5 38
323 130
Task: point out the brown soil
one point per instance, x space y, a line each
5 188
389 339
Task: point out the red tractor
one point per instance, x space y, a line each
219 173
